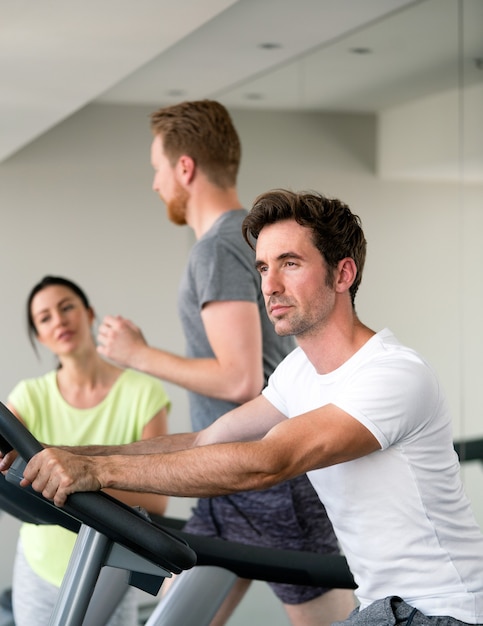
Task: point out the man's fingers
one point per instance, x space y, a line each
7 460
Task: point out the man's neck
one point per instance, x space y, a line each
335 345
205 208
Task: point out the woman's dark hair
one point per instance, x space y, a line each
48 281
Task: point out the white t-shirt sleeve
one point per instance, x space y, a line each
393 398
393 394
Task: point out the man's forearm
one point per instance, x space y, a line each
201 472
154 445
204 376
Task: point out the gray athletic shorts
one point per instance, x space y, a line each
391 611
288 516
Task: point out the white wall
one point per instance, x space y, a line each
78 202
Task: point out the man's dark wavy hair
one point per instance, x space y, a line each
337 232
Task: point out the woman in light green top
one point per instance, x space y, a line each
85 400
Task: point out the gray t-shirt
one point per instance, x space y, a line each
221 267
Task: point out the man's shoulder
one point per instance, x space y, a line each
224 239
227 225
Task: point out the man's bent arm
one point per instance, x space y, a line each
314 440
317 439
234 374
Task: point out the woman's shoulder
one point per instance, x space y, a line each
37 383
33 392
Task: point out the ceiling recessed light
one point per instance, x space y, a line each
270 46
361 50
176 93
253 96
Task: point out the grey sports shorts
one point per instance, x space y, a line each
392 611
288 516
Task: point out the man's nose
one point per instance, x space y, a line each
271 283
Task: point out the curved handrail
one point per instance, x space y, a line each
109 516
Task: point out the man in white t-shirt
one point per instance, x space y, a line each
361 414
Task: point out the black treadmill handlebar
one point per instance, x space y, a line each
469 449
270 564
109 516
4 445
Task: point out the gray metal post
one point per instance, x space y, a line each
80 578
111 587
194 597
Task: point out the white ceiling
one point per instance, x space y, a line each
56 56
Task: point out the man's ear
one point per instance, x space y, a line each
346 274
185 168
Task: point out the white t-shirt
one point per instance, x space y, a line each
400 514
